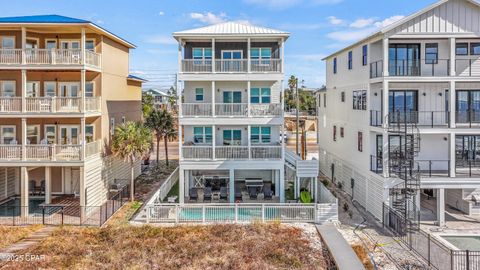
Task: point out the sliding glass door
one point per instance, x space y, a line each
403 106
468 106
404 60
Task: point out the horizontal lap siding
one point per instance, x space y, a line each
97 188
12 177
3 183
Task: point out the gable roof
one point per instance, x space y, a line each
136 78
54 19
394 25
156 91
231 29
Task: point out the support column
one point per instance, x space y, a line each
315 189
385 107
249 64
441 207
23 87
451 154
249 85
283 56
83 194
214 70
24 139
48 185
385 57
276 176
453 55
82 90
24 45
24 191
213 99
385 155
82 46
83 141
214 144
180 58
249 134
181 186
451 104
282 185
231 184
180 141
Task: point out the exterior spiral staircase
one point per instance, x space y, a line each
403 166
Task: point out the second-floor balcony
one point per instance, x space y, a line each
49 104
231 66
420 118
426 68
61 57
231 110
254 152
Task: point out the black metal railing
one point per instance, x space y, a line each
376 118
467 168
61 214
421 118
468 117
419 67
376 69
467 67
376 164
433 168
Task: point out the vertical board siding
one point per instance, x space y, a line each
12 177
3 183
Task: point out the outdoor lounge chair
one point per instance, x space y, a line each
238 195
252 192
223 193
193 194
207 194
267 193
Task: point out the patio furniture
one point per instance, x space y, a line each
42 187
223 193
252 192
32 187
254 182
207 193
267 193
238 194
193 194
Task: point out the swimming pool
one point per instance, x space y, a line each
464 242
12 207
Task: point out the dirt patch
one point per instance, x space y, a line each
152 178
10 235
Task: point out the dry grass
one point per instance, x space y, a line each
363 256
10 235
196 247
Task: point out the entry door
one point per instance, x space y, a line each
70 53
75 181
230 99
232 61
31 44
69 89
68 93
69 135
403 105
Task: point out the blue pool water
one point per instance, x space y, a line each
12 207
464 242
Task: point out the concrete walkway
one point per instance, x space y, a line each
26 243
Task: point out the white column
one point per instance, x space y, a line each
453 61
451 154
249 85
385 57
214 132
180 141
82 46
213 99
385 143
48 185
441 207
24 138
283 56
451 104
232 186
83 195
82 138
180 68
385 124
276 176
23 86
181 187
24 191
282 185
213 56
315 189
249 64
82 90
24 45
249 141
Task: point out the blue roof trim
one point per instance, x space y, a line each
53 18
133 77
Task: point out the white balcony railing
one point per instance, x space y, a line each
10 104
231 109
197 152
231 152
48 152
196 66
67 104
196 109
39 104
265 152
49 57
271 109
266 65
93 104
231 65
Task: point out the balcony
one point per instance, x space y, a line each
420 118
59 57
268 152
231 110
231 66
47 153
49 104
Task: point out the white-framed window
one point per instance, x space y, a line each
8 42
261 55
7 88
33 134
89 89
199 94
232 137
50 132
89 133
260 134
124 119
202 53
260 95
33 89
112 125
232 54
50 44
90 45
50 89
360 100
7 134
202 135
70 44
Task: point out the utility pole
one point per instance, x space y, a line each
297 101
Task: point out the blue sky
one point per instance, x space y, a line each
317 27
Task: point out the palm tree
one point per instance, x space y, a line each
163 124
131 142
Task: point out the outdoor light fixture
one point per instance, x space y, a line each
424 94
440 94
375 94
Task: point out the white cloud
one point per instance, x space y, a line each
161 13
283 4
161 39
334 20
209 17
389 21
326 2
362 23
351 35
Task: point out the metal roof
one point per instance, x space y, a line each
136 78
58 19
231 28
